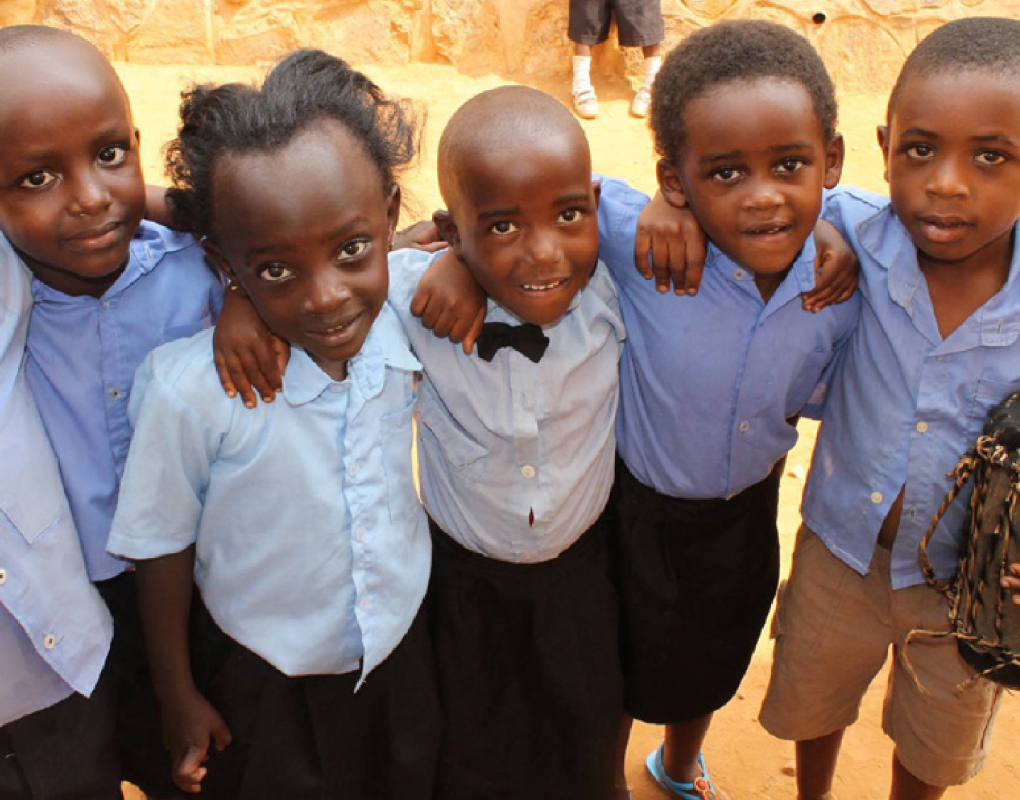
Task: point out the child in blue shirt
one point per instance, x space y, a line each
56 715
107 288
938 346
743 115
304 668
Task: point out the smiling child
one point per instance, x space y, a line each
516 449
308 670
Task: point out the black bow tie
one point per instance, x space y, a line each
526 339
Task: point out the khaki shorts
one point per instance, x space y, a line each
833 629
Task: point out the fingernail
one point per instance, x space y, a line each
692 292
249 403
661 289
231 393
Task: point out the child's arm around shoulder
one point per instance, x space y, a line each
670 239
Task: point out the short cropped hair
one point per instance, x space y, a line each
974 44
738 50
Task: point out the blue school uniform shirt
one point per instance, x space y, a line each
516 457
82 357
902 403
312 549
707 383
55 631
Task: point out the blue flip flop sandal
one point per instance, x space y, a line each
700 788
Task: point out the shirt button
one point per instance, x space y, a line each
528 471
336 388
49 641
913 513
366 603
115 394
739 274
105 304
359 535
876 497
353 469
922 427
743 426
3 577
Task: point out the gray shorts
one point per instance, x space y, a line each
639 22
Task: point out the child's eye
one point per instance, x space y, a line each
352 249
569 215
919 151
989 158
789 165
37 180
503 227
726 175
274 272
112 156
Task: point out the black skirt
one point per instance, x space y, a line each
696 579
529 674
314 737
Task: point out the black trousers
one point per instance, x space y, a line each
529 674
696 579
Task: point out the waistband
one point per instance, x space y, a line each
590 546
630 489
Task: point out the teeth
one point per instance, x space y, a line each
543 287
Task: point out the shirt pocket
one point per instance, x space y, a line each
437 426
31 495
397 435
988 393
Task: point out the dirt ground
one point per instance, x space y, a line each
743 759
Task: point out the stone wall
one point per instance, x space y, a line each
863 41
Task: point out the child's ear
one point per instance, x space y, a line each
596 189
215 256
834 154
883 144
447 229
670 184
393 212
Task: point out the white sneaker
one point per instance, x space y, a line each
586 104
639 105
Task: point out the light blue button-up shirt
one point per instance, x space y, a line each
517 458
312 549
903 403
707 383
55 631
82 357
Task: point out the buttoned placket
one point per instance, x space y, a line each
523 391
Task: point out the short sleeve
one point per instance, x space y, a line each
167 470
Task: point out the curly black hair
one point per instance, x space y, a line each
978 44
738 50
305 87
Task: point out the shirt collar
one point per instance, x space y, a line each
148 246
886 240
800 278
386 346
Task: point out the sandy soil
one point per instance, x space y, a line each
745 761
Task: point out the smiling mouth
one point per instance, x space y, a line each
97 238
944 229
336 331
768 230
546 286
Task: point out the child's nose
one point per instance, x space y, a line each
545 247
90 194
764 195
947 179
327 291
